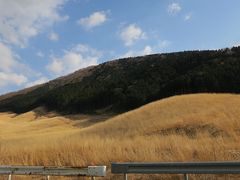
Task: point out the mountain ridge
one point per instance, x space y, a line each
124 84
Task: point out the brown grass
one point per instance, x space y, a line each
202 127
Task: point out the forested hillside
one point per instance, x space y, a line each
125 84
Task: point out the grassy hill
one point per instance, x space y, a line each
197 127
125 84
213 115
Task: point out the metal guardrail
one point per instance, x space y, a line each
176 168
92 171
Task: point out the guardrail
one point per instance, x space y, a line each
92 171
184 168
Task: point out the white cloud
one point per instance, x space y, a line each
145 51
161 45
236 44
53 36
21 20
56 65
38 81
76 58
40 54
10 61
187 17
7 59
174 8
12 71
131 33
164 44
95 19
12 79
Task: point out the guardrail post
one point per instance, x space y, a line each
10 177
125 177
185 176
92 178
47 177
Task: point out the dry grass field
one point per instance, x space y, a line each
200 127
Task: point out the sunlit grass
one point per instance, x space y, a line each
203 127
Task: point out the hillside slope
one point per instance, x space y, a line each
121 85
213 115
198 127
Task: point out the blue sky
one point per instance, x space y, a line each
42 40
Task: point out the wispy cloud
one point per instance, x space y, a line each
148 49
10 64
8 58
174 8
145 51
188 17
40 54
53 36
132 33
12 79
76 58
41 80
95 19
21 20
13 72
163 44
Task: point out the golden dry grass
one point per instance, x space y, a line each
200 127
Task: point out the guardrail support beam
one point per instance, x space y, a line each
125 177
182 168
47 171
